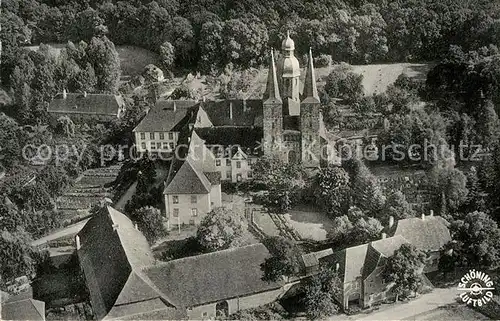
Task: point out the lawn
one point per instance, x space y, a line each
309 222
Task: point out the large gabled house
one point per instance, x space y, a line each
125 282
360 267
81 107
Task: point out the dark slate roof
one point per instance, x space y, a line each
213 177
111 249
27 309
246 137
163 118
313 258
188 180
212 277
97 104
244 112
429 234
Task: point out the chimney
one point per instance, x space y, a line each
432 213
230 110
204 98
384 235
115 227
64 93
84 94
136 227
391 221
175 106
337 266
423 217
77 241
244 105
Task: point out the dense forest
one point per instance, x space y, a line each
209 34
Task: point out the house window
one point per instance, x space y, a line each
143 145
217 162
238 164
194 212
170 136
158 145
165 145
153 146
249 174
175 199
176 212
191 222
172 146
193 199
204 314
151 135
228 162
228 175
162 136
143 136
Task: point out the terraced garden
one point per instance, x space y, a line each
88 190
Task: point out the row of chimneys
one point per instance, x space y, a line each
391 222
65 94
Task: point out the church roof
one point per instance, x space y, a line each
310 93
272 89
288 43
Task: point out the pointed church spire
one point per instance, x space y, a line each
310 88
272 89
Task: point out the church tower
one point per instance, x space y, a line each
310 118
273 112
290 70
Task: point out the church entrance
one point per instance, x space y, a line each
292 157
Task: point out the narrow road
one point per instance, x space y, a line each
67 231
405 310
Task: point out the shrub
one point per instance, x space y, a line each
323 61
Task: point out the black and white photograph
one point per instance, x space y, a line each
249 160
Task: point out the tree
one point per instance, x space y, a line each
9 142
65 126
488 124
404 269
397 206
150 222
17 257
87 25
341 228
450 183
183 92
365 229
478 237
54 178
167 55
321 291
345 84
284 183
285 260
332 190
221 229
366 191
104 58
